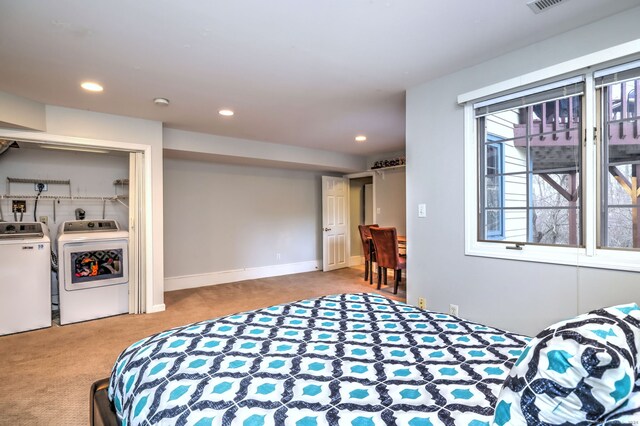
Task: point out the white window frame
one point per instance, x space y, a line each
589 255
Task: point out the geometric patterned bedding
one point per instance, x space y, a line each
349 359
581 371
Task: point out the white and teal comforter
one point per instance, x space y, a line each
350 359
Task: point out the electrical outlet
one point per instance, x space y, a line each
422 210
422 303
44 219
453 310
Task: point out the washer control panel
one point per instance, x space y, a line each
90 226
20 230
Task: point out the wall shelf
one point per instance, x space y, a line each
47 181
61 197
380 170
56 198
11 180
10 196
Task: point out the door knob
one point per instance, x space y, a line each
327 229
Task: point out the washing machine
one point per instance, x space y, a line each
25 277
93 270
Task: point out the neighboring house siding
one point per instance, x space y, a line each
514 186
515 194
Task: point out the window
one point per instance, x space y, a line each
552 169
620 153
535 197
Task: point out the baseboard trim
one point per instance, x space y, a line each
356 260
222 277
157 308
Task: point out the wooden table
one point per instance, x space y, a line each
402 245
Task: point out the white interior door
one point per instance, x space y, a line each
334 222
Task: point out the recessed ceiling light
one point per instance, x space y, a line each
92 86
226 112
161 101
361 138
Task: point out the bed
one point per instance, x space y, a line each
352 359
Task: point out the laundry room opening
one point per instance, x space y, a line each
88 198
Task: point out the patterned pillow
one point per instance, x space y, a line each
581 371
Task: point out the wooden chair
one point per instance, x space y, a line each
369 254
388 256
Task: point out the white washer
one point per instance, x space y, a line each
25 277
93 270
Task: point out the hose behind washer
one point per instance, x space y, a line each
35 206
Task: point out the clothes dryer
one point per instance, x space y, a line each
25 277
93 270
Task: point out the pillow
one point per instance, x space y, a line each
629 412
578 371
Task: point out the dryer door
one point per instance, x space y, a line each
94 264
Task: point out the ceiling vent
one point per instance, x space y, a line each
538 6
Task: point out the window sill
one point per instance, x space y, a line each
619 260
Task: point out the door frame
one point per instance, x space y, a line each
358 175
144 204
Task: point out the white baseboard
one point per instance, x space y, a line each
356 260
156 308
221 277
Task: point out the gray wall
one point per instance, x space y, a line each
390 188
221 217
519 296
223 149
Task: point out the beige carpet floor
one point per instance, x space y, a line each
45 374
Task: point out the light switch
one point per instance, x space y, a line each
422 210
378 210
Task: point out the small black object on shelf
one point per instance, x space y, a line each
381 164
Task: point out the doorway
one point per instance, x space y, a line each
140 281
360 213
377 196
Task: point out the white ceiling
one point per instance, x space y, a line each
312 73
